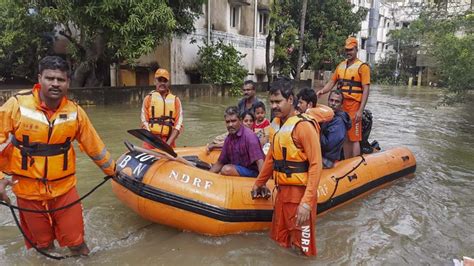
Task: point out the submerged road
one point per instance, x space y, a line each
428 219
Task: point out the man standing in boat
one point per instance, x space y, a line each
295 164
162 112
249 101
352 77
37 129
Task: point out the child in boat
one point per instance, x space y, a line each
262 125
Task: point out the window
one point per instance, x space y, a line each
363 43
234 16
262 22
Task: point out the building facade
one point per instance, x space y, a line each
242 23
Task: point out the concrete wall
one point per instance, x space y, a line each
135 94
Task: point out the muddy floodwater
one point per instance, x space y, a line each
425 220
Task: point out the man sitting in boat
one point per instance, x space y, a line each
333 133
332 120
162 112
241 154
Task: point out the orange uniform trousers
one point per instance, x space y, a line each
284 229
351 107
66 226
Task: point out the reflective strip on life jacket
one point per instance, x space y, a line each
42 145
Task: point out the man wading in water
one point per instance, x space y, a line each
296 166
37 128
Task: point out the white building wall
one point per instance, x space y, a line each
385 22
184 53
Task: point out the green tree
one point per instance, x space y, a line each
25 37
219 63
105 32
283 31
328 23
445 37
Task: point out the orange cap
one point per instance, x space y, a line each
351 42
161 72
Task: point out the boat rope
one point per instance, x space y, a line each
337 179
13 207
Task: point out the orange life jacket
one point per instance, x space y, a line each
321 113
349 80
162 113
42 151
290 164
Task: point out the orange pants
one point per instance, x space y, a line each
66 226
351 107
285 231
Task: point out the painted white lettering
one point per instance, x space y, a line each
196 182
185 178
208 184
322 190
305 238
140 155
125 160
139 169
146 158
305 231
173 174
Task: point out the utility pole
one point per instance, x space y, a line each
300 50
397 71
373 28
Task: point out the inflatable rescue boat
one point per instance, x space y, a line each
172 193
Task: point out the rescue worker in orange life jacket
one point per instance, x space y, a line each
37 129
352 77
162 113
296 166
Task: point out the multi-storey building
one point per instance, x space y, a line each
378 23
243 23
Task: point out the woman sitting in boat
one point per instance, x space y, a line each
241 153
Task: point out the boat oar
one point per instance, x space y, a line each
153 140
158 154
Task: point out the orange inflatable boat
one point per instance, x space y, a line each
189 198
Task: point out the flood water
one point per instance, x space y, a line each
425 220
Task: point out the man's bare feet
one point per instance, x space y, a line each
79 250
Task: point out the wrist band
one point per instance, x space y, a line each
306 206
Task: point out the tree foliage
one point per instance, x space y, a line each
219 63
25 37
328 23
447 38
104 32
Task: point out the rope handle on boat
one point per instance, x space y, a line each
15 218
337 179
